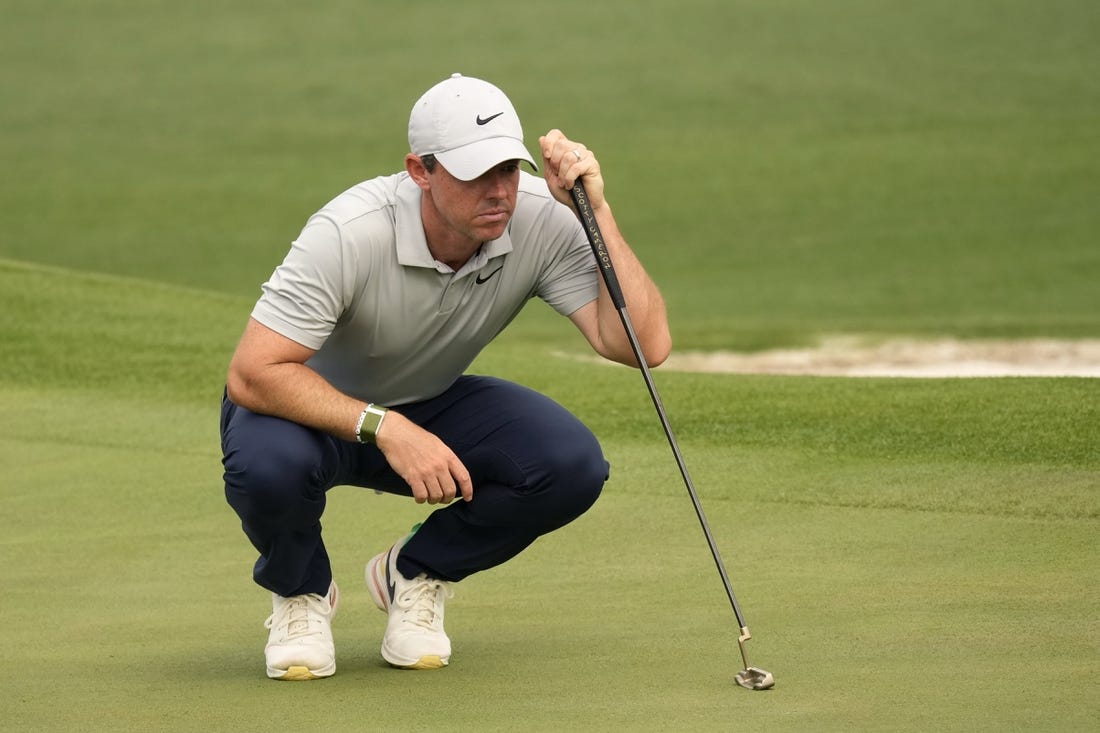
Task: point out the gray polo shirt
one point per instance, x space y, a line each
388 322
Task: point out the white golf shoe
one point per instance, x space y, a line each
300 645
414 636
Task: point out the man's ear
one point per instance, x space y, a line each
416 170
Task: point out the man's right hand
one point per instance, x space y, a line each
428 466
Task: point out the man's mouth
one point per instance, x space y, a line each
494 215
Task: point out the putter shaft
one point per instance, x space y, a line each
756 679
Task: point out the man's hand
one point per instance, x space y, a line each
428 466
563 162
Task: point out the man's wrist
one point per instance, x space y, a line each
370 422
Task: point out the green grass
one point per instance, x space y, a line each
886 549
931 164
910 554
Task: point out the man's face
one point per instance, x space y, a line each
477 210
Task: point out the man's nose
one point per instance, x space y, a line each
498 184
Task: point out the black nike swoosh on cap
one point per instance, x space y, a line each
488 119
479 279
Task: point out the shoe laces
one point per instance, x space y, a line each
422 601
297 616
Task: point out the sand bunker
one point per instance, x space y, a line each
855 357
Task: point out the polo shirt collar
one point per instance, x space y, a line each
412 247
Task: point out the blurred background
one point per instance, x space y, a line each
785 167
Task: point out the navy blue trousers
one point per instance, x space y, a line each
535 467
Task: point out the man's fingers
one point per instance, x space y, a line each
557 151
465 485
436 490
548 141
447 489
565 162
442 488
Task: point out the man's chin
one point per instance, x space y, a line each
489 232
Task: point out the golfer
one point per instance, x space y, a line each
351 371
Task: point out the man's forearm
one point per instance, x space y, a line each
645 304
296 392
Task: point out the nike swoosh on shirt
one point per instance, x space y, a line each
488 119
479 280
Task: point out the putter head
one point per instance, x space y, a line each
754 678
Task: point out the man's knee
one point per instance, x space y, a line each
274 472
578 473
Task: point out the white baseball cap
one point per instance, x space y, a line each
468 125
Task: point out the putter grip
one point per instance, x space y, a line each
599 248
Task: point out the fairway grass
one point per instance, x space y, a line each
903 565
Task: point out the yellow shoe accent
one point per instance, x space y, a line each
430 661
298 674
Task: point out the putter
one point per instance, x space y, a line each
752 678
